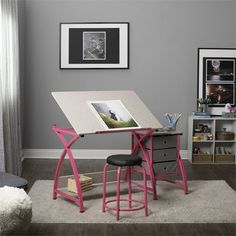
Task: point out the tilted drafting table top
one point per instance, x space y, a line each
74 105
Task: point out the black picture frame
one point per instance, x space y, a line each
94 45
217 77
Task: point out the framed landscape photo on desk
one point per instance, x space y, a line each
216 77
94 45
112 114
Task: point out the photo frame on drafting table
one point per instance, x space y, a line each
77 108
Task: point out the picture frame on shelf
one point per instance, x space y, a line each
94 45
216 77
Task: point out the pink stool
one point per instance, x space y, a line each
128 161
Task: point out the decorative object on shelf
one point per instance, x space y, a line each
196 138
203 132
172 119
203 104
217 76
197 150
94 45
224 135
229 112
228 108
210 136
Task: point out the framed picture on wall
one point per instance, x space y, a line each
94 45
216 77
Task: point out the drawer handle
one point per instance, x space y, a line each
164 142
164 154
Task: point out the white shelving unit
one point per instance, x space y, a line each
209 148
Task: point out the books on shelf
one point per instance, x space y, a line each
198 114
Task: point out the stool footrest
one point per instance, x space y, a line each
142 205
129 207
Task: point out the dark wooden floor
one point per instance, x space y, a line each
44 169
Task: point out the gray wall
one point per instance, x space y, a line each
164 37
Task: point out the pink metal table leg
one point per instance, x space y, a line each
56 177
77 181
180 168
184 176
67 145
140 145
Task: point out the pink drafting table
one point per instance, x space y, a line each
87 113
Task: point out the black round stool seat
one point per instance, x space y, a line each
12 181
124 160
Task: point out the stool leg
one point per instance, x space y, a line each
145 191
118 194
104 181
129 183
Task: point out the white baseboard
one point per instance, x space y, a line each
184 154
79 153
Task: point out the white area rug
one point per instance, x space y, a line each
207 202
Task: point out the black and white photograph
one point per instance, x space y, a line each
220 94
113 114
218 69
94 45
